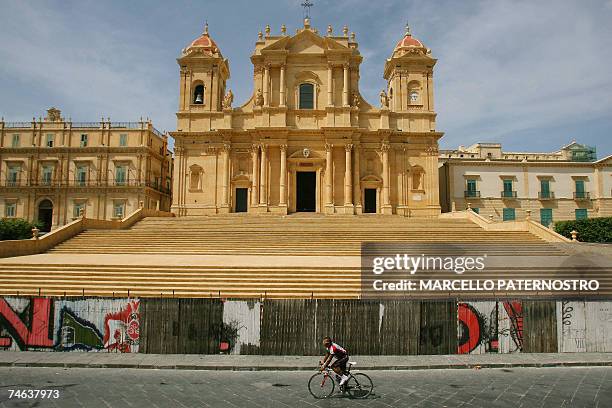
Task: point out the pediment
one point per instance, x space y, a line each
371 177
305 42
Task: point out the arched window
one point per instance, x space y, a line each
198 95
306 96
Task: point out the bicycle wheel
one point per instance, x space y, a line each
321 386
359 386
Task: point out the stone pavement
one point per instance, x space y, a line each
263 363
549 387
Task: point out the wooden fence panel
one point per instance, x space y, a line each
540 326
400 327
160 325
201 328
438 331
355 325
288 327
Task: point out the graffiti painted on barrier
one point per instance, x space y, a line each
489 327
584 326
69 325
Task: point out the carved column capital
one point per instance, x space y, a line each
348 147
283 147
328 147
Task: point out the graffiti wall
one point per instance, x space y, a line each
584 326
70 325
295 326
489 327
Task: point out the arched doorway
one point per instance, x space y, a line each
45 215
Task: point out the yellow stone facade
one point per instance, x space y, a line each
564 185
306 140
54 170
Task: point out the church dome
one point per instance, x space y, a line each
203 44
409 44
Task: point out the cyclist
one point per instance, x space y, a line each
341 356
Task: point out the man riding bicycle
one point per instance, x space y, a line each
341 356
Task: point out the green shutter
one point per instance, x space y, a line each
306 96
476 210
581 214
507 185
471 185
545 188
509 214
546 217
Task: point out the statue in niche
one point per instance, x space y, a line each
356 100
417 178
195 177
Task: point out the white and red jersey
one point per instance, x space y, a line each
336 350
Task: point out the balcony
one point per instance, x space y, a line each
12 183
471 194
546 195
582 195
508 194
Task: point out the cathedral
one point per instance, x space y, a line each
306 140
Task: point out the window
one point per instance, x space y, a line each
471 188
13 176
118 209
545 188
306 96
580 192
508 192
546 217
81 175
476 210
123 140
414 96
10 210
83 140
198 95
15 141
49 140
581 213
120 175
77 208
509 214
47 175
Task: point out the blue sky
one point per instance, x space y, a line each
532 75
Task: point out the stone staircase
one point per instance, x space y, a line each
237 256
295 235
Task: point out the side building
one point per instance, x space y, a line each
563 185
53 170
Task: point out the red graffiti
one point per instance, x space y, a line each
122 329
37 335
515 313
470 324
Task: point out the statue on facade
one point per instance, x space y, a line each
356 100
54 115
228 99
384 99
259 99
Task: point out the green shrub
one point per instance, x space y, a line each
16 228
589 230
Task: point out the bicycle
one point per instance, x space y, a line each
322 384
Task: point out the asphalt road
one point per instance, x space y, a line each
517 387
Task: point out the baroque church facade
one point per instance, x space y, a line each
306 140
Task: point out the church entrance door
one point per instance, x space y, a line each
370 201
306 191
241 199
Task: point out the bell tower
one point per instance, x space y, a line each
409 75
204 73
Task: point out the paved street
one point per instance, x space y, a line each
516 387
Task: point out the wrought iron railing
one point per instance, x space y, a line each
582 195
471 194
90 125
546 195
508 194
17 124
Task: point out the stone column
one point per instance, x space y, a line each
385 176
348 175
330 90
345 90
328 174
263 196
356 177
266 88
226 176
255 176
282 85
283 175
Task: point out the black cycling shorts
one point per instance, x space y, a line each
340 363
